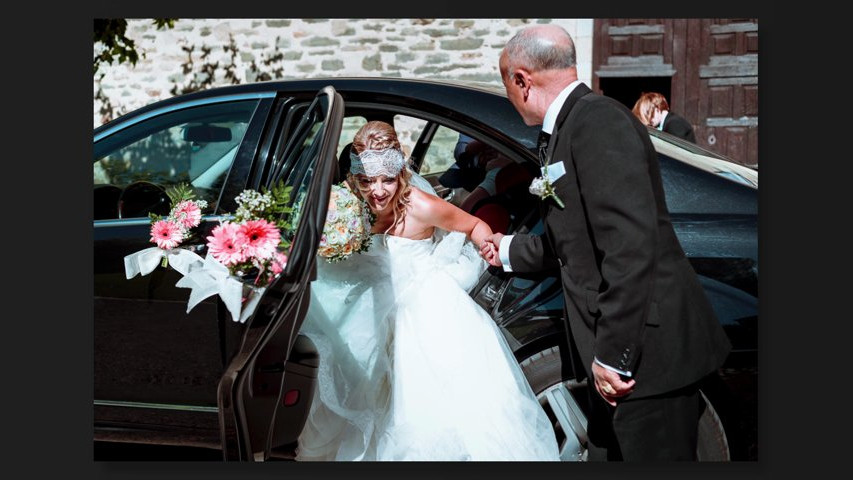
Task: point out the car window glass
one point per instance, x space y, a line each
348 129
408 129
300 169
439 155
194 145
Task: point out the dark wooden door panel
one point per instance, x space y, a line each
706 68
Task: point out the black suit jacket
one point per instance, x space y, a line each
678 126
632 298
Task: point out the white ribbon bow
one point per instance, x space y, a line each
213 278
145 261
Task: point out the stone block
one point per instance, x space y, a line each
405 57
320 42
332 65
437 58
278 23
425 70
372 63
462 44
425 45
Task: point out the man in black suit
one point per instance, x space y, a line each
653 110
636 313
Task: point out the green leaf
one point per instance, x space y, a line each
179 193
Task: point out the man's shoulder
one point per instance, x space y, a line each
603 108
676 118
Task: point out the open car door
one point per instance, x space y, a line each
255 395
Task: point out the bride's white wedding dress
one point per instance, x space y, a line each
411 368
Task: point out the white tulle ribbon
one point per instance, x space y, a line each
213 278
145 261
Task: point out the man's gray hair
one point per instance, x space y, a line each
534 51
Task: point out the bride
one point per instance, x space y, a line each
411 368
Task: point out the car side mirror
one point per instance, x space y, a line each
206 134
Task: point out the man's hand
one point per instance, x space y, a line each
489 249
609 385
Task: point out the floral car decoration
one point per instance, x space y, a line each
247 252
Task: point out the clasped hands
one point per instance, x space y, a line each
489 249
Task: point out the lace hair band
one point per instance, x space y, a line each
388 162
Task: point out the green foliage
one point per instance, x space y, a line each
281 198
180 192
116 46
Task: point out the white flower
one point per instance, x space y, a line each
537 186
541 187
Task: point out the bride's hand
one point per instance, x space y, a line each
489 252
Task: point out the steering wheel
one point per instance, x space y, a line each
141 198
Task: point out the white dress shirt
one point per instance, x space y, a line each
548 127
662 119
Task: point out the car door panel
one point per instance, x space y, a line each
253 409
149 352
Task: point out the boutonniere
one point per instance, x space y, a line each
542 187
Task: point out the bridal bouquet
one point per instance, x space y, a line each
245 254
168 234
347 227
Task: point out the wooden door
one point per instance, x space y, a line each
706 68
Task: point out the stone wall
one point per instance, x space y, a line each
202 53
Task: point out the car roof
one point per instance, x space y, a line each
690 153
457 98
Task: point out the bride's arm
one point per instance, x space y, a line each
440 213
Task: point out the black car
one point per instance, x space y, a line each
166 376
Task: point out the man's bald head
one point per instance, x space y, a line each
537 48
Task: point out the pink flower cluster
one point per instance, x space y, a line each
246 245
170 232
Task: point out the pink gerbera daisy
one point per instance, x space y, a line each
260 238
279 263
225 244
166 234
187 213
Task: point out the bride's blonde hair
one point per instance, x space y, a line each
378 135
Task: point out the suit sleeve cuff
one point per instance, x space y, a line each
503 252
620 372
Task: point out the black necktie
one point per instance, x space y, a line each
542 146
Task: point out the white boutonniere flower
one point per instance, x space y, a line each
541 186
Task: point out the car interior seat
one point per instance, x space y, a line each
500 211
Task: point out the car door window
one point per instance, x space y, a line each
350 126
439 155
409 130
134 166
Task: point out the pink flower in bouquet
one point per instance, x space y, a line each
279 263
226 245
187 213
259 238
166 234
